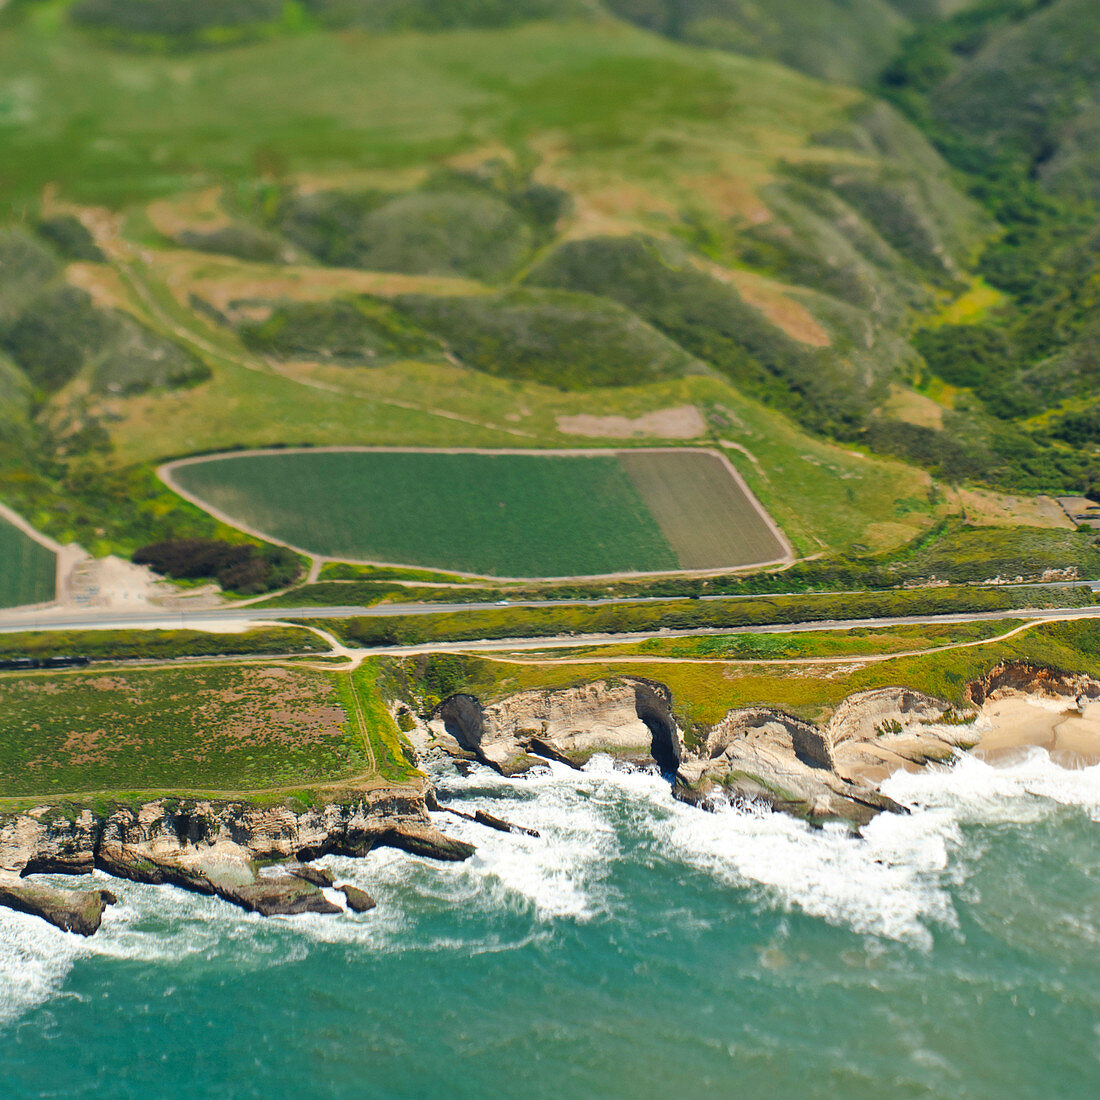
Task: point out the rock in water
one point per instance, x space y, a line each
498 823
283 896
209 847
79 911
317 875
359 901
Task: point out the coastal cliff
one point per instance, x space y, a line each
757 753
209 847
821 772
628 718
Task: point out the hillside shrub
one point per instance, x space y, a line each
246 242
559 338
363 331
237 567
712 321
176 24
52 337
26 267
61 332
435 15
69 237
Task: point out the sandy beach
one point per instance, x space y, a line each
1070 734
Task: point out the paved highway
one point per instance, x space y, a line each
228 617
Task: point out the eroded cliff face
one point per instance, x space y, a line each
828 772
1024 678
629 718
757 753
209 847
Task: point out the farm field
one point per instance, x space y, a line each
240 727
492 514
703 512
28 571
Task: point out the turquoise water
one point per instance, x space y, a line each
641 948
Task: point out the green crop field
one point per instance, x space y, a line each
28 570
225 728
494 514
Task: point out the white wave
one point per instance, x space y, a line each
888 883
895 882
559 873
1021 789
35 959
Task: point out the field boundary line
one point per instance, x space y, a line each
16 520
166 471
63 557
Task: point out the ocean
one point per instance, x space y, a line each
639 948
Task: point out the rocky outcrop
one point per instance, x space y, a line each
756 753
359 901
211 848
762 755
79 911
319 876
828 772
870 714
629 718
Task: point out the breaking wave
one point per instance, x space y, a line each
895 882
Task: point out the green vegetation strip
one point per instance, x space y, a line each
125 645
27 569
231 728
856 642
537 622
360 694
342 571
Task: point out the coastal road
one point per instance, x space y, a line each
219 619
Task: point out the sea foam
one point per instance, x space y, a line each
895 882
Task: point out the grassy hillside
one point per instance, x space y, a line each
1031 91
567 340
1009 90
833 39
530 221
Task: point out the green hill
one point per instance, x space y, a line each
1031 94
563 339
545 218
847 40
